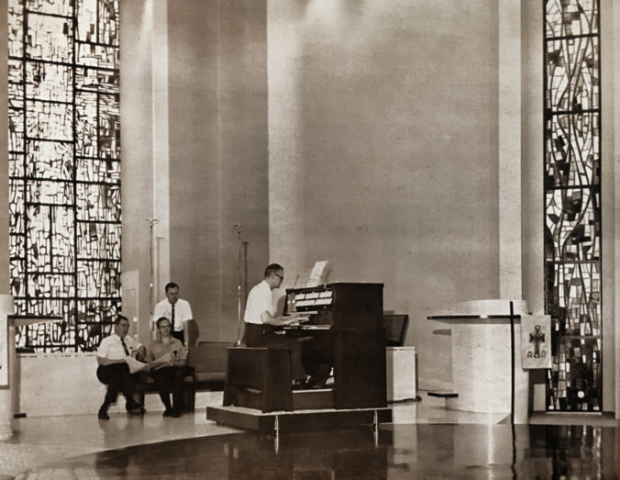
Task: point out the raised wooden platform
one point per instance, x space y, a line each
298 420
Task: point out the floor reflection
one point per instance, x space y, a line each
398 452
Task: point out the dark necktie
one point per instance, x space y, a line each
125 346
172 319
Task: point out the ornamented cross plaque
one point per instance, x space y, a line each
537 338
535 345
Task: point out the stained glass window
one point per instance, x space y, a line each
64 170
572 140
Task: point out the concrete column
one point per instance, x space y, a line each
6 395
532 155
610 204
610 23
510 261
137 152
161 157
286 163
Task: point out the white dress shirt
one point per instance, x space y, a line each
259 300
112 348
182 312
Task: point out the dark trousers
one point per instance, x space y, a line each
318 355
118 379
170 380
179 336
263 336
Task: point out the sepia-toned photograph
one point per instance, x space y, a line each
310 239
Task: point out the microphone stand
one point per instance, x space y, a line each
239 280
152 223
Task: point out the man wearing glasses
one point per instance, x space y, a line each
167 358
260 319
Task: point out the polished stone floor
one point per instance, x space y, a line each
425 441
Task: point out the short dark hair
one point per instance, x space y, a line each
119 319
273 268
170 285
161 319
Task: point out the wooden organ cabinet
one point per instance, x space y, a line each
348 318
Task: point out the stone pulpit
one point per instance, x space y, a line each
488 374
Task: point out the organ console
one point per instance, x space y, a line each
346 319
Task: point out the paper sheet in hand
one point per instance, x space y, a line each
162 361
135 365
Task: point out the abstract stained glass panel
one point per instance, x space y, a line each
64 168
573 203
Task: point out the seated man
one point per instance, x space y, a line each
113 369
167 358
260 320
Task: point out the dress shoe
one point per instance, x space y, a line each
299 384
103 415
168 412
176 413
132 405
321 377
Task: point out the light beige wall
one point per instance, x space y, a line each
136 155
218 153
532 163
194 105
383 152
381 131
615 155
72 388
532 155
610 174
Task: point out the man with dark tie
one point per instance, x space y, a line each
177 310
113 369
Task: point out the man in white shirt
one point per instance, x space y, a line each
260 319
113 369
177 310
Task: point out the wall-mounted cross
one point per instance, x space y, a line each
537 338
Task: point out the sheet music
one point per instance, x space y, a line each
318 275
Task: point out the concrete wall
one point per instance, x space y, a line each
373 145
66 384
383 152
218 152
137 151
194 102
610 176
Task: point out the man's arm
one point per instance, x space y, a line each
107 361
138 351
187 317
269 319
180 360
103 351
